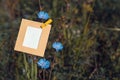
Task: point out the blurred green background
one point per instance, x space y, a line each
88 29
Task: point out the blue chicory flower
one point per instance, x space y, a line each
43 15
57 46
43 63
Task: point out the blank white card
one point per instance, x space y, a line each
32 37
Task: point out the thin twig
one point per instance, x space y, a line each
39 5
92 73
95 69
51 68
39 74
43 74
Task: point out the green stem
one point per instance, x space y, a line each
87 20
32 70
35 67
43 74
86 26
26 66
17 76
52 67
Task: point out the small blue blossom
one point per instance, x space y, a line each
57 46
43 63
43 15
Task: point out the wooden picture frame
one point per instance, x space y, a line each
32 39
